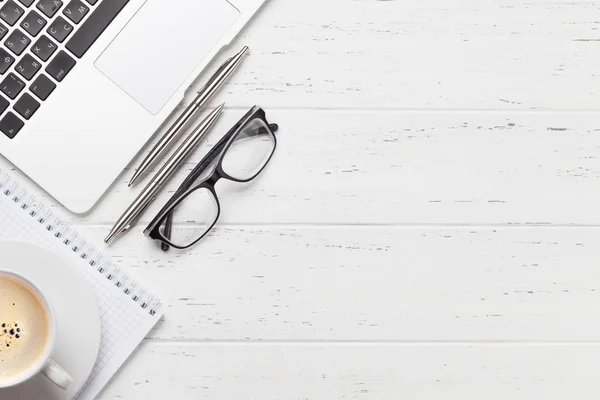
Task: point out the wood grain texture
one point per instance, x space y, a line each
448 54
408 168
359 371
428 228
341 283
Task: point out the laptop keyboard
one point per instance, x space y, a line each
40 42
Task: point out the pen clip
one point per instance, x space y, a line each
215 75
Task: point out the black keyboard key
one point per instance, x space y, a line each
49 7
33 23
12 85
76 10
10 125
43 48
6 60
94 25
17 42
60 66
42 87
59 29
26 3
3 31
92 2
3 104
26 106
11 12
28 66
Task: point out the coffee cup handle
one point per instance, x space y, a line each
57 375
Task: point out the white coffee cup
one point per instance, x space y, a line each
44 364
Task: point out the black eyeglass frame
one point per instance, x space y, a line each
189 186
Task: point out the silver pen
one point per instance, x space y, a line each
147 196
180 125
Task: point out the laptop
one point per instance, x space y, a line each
84 84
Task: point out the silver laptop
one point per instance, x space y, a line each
85 83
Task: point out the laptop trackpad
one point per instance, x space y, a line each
162 45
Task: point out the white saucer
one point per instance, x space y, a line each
78 320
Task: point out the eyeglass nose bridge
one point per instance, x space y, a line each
214 178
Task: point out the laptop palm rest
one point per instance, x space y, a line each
162 45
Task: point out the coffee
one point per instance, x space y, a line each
24 327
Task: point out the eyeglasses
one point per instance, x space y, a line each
240 156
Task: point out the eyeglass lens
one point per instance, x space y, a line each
250 151
194 215
199 210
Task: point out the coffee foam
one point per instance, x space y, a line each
24 327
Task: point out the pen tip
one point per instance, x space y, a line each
135 177
110 237
237 59
213 116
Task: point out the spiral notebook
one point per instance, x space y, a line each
127 312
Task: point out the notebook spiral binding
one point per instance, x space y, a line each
69 237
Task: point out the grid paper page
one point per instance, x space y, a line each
124 321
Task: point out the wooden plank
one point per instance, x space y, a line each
408 168
359 371
449 54
410 284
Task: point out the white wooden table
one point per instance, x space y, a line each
427 229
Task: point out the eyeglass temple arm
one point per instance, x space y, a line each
202 165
